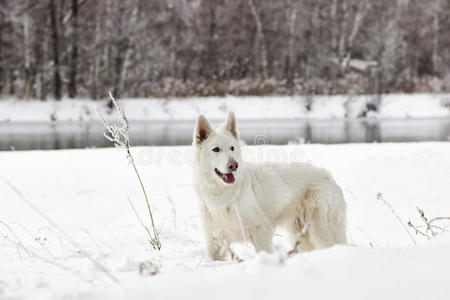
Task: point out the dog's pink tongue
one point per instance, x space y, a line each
229 178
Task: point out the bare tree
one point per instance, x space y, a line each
27 53
349 30
211 47
260 40
96 57
72 88
55 39
291 16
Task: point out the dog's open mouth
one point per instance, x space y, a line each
226 177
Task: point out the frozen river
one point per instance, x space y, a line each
67 135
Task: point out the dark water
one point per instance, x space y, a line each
66 135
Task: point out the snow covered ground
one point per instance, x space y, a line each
250 108
85 195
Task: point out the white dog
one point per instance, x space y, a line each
242 201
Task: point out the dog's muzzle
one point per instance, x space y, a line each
226 177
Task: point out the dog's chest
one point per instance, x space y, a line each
230 222
233 220
226 214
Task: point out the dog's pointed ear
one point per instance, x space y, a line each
202 130
231 124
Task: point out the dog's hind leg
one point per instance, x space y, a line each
325 215
319 221
299 236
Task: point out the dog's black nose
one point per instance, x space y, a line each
233 165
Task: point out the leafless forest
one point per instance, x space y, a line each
140 48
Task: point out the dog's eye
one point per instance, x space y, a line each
232 148
217 149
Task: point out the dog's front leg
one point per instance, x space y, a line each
216 248
262 239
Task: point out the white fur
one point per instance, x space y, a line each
303 199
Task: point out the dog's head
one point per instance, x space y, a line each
218 151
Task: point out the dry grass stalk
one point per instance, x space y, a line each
59 229
380 197
119 136
429 225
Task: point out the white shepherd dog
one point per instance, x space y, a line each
242 201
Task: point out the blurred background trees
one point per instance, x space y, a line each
140 48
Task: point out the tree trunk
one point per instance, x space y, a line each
12 82
261 44
121 46
96 62
342 31
108 54
335 25
1 52
72 88
131 25
292 15
435 56
55 38
210 64
360 14
27 55
347 45
309 89
43 54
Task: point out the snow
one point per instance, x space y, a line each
85 194
250 108
362 65
402 106
357 64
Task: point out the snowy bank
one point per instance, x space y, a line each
85 193
250 108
